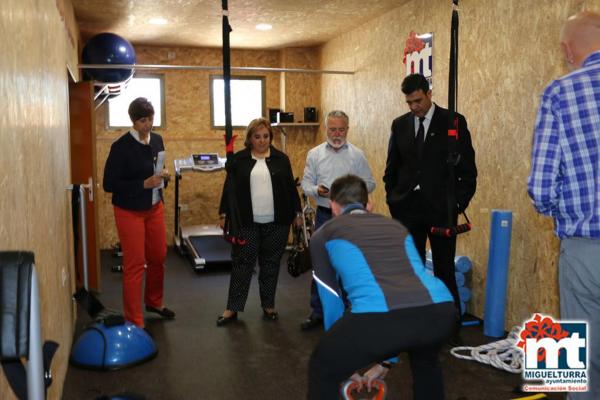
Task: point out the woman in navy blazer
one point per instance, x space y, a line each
130 175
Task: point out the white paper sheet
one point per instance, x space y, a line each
160 164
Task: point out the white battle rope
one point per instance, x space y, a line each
502 354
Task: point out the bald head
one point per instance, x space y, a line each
580 37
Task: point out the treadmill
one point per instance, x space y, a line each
203 244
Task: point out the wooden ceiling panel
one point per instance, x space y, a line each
198 22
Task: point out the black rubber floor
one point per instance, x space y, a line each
251 359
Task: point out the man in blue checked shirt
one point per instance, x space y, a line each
565 179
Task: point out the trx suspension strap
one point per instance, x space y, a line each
232 219
227 79
451 229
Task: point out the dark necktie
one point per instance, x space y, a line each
420 139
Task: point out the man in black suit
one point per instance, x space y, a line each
416 175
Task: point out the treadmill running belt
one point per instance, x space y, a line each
214 249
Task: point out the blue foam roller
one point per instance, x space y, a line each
462 264
463 308
460 279
497 273
464 294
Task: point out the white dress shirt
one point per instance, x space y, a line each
261 192
136 136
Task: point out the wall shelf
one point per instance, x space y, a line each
286 124
291 125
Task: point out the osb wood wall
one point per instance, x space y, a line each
35 211
188 127
300 90
509 51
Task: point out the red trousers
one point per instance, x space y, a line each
143 241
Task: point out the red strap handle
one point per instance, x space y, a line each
229 146
378 384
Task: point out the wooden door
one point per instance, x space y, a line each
83 171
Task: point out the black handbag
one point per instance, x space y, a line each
299 257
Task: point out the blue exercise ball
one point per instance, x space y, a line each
108 48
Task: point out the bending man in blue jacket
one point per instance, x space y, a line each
395 306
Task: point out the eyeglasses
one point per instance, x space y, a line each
340 130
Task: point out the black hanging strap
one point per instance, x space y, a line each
451 229
75 204
226 28
232 220
453 65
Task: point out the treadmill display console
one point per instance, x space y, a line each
200 162
205 159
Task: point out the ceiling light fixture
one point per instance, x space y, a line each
264 27
157 21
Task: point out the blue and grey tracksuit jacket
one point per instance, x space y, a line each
373 259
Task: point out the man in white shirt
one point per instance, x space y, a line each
324 164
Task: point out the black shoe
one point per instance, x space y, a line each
270 315
165 312
221 321
311 322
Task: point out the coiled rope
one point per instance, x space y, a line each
502 354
